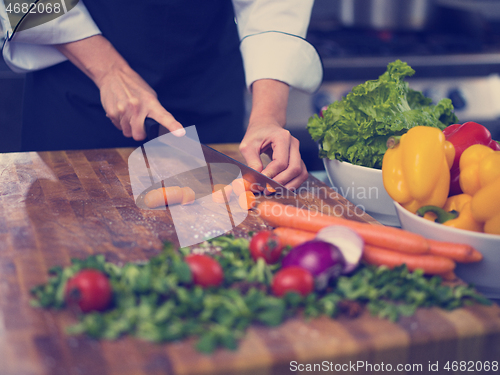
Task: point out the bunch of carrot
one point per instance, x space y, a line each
387 246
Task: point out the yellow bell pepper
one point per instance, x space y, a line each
456 213
485 206
416 172
479 165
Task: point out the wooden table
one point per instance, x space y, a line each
60 205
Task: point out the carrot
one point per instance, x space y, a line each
221 190
158 197
240 186
279 215
461 253
172 194
293 237
253 185
430 264
449 276
270 188
154 198
187 195
247 200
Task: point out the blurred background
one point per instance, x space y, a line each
453 45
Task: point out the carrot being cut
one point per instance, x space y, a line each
187 195
163 196
293 237
430 264
461 253
253 185
240 186
247 200
270 189
221 190
280 215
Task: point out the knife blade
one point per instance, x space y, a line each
258 180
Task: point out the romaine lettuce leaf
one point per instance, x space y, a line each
356 128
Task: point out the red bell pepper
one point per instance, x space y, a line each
463 136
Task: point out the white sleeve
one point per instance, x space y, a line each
32 49
272 36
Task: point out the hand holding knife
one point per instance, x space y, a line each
152 127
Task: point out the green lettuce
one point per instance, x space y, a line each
356 128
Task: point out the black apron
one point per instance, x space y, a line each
187 50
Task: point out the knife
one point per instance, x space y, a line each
214 157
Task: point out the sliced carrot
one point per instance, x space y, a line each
270 188
280 215
158 197
252 183
247 200
240 185
461 253
293 237
430 264
221 190
172 194
154 198
187 195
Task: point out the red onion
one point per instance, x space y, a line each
322 259
348 241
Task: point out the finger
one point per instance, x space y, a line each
127 111
251 153
125 126
281 155
165 119
295 183
137 126
294 164
115 120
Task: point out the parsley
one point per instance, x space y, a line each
156 301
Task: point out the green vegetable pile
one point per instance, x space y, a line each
356 128
157 301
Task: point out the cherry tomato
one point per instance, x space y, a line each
292 279
90 289
206 270
266 244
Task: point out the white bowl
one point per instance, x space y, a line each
364 188
484 274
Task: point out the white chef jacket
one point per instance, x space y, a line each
272 45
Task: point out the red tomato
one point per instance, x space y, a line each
266 244
90 289
292 279
206 270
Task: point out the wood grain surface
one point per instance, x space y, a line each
65 204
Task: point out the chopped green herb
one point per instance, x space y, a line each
156 300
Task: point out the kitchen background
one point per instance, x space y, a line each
453 45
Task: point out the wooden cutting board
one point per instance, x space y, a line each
65 204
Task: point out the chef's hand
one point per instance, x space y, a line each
128 100
125 96
266 134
